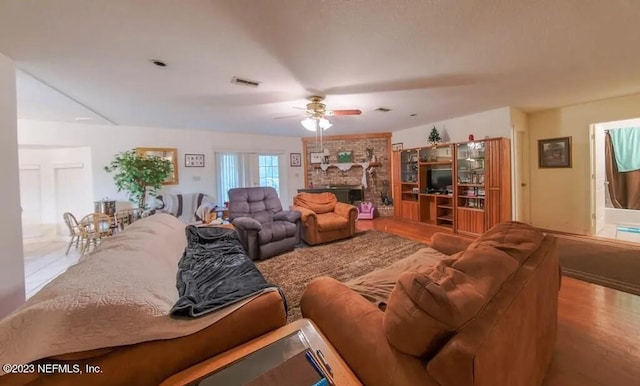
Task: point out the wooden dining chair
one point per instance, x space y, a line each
93 227
74 230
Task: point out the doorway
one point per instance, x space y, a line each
609 220
52 181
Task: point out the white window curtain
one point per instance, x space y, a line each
240 170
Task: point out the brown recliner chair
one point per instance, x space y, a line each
323 218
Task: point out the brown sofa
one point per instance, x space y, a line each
323 218
157 241
484 314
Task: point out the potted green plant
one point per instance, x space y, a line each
138 175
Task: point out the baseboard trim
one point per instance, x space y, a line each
599 240
601 281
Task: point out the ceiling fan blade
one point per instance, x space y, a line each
290 116
346 112
299 108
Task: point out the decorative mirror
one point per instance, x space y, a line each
167 153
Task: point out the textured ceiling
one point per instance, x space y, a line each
437 59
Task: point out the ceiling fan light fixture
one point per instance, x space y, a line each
324 123
312 124
309 124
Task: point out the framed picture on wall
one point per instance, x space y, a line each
194 160
396 146
345 156
295 159
316 158
170 154
554 152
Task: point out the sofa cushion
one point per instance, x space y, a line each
517 239
187 207
331 222
277 230
318 202
258 203
428 306
376 286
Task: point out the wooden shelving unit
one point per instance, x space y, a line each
464 187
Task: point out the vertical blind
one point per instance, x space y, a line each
239 170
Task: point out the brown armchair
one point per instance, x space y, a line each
323 218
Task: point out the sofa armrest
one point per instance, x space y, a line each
287 215
449 244
304 213
247 223
345 210
354 327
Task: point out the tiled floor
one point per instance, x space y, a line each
44 260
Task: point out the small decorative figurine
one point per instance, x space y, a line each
434 137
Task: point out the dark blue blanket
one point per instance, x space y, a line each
214 271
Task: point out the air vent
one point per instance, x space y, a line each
245 82
382 109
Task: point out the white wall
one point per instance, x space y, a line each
105 141
561 198
65 170
11 260
492 123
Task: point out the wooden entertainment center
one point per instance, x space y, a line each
464 187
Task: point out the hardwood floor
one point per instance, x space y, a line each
598 328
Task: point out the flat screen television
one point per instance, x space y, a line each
440 180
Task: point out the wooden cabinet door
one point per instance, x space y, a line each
397 202
410 211
498 182
470 221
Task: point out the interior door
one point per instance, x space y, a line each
521 197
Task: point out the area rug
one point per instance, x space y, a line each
341 260
601 263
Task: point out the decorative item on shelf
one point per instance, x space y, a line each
369 153
194 160
470 137
554 152
434 137
396 146
295 159
326 156
345 156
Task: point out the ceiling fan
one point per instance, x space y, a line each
317 114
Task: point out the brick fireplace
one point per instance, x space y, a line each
378 176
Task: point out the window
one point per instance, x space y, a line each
240 170
269 171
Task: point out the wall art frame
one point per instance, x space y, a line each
168 153
194 160
295 160
554 152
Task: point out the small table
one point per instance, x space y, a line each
221 212
342 374
228 226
